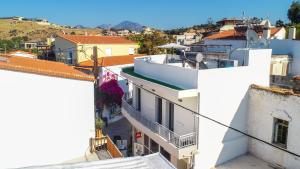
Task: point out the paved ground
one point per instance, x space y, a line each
121 128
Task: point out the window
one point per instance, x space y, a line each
138 99
131 51
146 144
108 51
154 146
171 116
158 110
280 132
70 58
165 153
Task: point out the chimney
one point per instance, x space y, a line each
85 33
292 33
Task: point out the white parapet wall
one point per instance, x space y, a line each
43 119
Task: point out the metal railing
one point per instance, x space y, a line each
179 141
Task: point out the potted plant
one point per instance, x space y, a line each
99 124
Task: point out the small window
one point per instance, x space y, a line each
108 51
280 132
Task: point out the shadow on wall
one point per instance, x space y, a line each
234 143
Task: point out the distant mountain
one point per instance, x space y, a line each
105 26
79 27
129 26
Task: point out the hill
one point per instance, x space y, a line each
33 30
129 26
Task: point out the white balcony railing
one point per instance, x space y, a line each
179 141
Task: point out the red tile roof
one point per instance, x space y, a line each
111 61
237 35
42 67
79 39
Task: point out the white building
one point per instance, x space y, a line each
167 98
188 38
47 112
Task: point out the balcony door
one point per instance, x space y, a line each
158 110
138 99
171 116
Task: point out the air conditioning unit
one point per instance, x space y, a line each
138 149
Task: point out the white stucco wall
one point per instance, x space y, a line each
263 108
43 120
223 97
181 77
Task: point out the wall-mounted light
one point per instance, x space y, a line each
180 100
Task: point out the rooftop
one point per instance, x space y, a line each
276 90
42 67
111 61
80 39
152 161
130 71
22 54
237 34
245 162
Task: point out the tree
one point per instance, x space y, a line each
294 12
279 23
110 94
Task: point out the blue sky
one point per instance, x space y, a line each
155 13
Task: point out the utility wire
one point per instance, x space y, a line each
211 119
196 113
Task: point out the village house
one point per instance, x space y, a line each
188 38
74 49
167 111
47 110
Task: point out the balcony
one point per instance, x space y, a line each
104 148
176 140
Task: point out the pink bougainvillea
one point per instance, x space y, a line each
110 93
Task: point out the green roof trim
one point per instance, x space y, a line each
130 71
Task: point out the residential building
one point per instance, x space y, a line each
124 32
170 100
285 53
188 38
74 49
30 44
47 112
228 24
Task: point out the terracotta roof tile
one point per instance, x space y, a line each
237 35
79 39
276 90
111 61
42 67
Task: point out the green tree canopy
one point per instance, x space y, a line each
294 12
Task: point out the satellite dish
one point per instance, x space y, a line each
199 57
